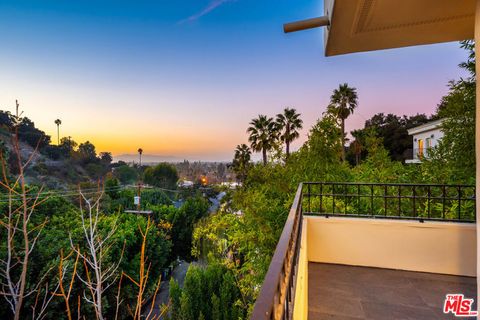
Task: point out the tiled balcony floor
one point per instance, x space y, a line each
348 292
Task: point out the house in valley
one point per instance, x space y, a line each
425 138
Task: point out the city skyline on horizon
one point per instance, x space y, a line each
184 80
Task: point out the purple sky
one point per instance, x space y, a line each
184 78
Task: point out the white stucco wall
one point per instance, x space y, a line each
437 135
435 247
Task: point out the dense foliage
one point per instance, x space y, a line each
162 175
209 293
64 223
168 238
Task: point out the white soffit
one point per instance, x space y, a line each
365 25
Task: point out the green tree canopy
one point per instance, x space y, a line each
162 175
455 154
125 174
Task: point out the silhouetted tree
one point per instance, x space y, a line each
58 122
241 161
289 123
342 103
263 135
106 157
87 152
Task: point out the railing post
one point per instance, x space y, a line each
443 201
358 198
414 197
399 200
371 200
385 200
459 203
321 196
429 195
333 198
308 195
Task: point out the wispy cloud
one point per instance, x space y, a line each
209 8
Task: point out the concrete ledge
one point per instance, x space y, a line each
300 310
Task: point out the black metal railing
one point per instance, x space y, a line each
420 202
421 153
277 296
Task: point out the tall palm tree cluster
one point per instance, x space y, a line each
265 133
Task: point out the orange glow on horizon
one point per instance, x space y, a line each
155 142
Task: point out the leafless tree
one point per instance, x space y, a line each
21 233
143 276
66 292
44 297
99 275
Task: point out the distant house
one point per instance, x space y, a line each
425 137
185 184
231 185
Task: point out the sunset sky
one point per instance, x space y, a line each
184 78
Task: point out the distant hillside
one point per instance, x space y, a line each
147 158
55 166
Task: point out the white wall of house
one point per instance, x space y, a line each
429 139
425 137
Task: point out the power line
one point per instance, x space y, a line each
71 193
43 195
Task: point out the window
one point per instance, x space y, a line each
420 148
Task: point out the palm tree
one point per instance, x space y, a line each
289 123
342 103
140 151
241 161
263 135
58 122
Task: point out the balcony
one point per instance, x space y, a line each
419 154
372 251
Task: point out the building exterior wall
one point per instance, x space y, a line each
436 247
433 136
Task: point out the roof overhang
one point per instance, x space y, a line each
429 126
366 25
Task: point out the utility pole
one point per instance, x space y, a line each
138 196
140 151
